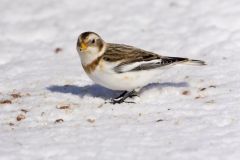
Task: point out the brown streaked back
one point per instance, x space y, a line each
127 54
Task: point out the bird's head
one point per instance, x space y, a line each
89 43
90 46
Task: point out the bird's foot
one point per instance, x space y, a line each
121 99
114 101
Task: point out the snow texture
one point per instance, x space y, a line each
50 109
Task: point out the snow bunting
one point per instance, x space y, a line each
122 67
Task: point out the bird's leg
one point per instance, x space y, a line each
123 96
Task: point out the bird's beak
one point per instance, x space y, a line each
83 46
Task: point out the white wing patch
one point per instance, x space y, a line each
134 65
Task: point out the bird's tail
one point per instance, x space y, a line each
195 62
179 60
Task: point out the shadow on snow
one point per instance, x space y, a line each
98 91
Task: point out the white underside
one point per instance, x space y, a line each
123 81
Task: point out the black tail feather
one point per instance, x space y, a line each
170 60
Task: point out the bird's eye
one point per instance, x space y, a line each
93 41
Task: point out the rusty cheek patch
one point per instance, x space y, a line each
100 44
92 66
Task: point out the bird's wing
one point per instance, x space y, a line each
131 59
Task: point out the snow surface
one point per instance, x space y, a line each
50 109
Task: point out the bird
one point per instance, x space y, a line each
122 67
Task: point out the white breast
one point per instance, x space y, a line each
105 76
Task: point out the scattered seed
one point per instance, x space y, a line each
16 95
212 86
6 101
210 102
20 117
24 110
57 50
202 89
160 120
63 107
199 96
91 120
11 124
185 93
59 120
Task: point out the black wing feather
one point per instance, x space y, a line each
163 61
